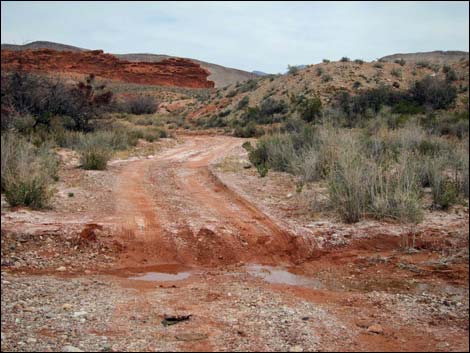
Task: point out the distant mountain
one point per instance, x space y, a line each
222 76
42 45
259 73
439 56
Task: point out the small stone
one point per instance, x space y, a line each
296 349
67 306
61 269
79 313
376 328
31 340
71 349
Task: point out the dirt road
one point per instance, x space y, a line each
174 210
166 236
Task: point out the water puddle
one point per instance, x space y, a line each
161 273
279 275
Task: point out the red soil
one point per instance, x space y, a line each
168 72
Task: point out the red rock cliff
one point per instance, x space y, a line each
168 72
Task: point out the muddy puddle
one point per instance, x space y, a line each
280 275
159 273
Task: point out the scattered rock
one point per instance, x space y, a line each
296 349
376 328
61 269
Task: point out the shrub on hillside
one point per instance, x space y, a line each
140 104
400 62
344 59
434 92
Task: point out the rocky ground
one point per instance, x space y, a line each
192 231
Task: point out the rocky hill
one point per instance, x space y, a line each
220 75
438 56
326 80
168 72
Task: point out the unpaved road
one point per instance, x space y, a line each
191 245
174 210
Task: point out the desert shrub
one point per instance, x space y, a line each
292 70
356 85
396 194
423 64
435 67
400 62
344 59
140 104
232 93
326 61
247 86
250 130
211 122
378 65
94 151
319 71
243 103
436 93
326 78
148 121
347 183
451 75
309 109
155 134
27 172
396 72
359 61
43 98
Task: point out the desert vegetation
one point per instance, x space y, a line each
41 113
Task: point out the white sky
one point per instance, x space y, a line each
265 36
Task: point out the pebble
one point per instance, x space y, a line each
79 313
61 269
296 349
376 328
71 349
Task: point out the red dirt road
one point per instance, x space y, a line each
173 209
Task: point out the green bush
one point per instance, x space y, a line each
345 59
27 172
95 151
243 103
140 104
359 61
434 92
250 130
326 61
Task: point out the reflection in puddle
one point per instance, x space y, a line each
162 273
159 276
281 276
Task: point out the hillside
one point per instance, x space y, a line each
220 75
439 56
326 80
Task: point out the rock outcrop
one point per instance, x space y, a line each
168 72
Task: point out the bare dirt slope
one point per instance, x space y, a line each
174 234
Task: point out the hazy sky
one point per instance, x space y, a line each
264 36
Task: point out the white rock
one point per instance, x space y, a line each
71 349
